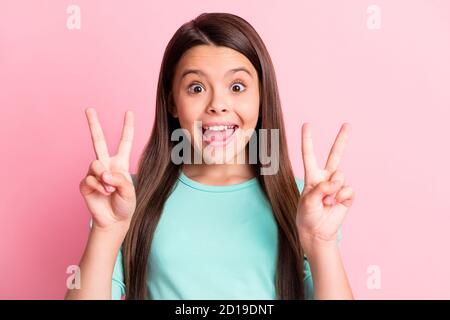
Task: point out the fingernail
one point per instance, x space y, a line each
109 188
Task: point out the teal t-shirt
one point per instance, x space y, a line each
213 242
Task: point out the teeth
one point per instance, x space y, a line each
218 128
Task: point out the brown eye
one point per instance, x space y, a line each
239 86
195 88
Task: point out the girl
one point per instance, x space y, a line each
218 228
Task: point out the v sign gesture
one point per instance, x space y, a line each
108 187
325 198
110 197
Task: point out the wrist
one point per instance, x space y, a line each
321 253
115 231
104 244
313 244
112 227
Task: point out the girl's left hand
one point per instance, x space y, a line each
325 198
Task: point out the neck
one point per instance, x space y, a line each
219 174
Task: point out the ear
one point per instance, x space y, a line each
171 106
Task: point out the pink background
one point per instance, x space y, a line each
391 84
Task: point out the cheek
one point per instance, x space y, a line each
189 111
251 103
249 113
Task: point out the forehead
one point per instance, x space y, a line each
213 60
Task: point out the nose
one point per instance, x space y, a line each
217 109
217 105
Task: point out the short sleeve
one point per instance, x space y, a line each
118 283
133 177
300 184
308 280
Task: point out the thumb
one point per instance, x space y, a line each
120 182
337 175
324 189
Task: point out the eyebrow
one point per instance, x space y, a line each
200 72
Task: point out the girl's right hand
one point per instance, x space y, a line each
111 201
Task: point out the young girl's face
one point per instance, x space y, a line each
216 99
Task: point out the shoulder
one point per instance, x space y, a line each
300 183
134 178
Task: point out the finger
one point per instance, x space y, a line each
337 175
97 168
123 185
126 140
329 200
90 184
98 139
338 147
346 196
323 189
309 158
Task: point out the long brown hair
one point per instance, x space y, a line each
157 174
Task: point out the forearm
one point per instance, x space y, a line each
329 277
97 265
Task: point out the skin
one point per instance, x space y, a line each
215 95
322 207
111 202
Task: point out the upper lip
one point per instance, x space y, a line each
224 123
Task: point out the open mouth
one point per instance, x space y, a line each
218 135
